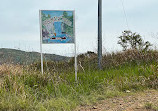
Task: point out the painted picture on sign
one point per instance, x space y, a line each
57 26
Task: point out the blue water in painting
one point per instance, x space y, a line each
57 26
67 40
59 35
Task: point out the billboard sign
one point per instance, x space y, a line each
57 26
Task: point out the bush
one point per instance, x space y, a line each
129 40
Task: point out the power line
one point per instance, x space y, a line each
123 7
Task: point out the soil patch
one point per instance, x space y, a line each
141 101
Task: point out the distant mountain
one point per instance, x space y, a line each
22 57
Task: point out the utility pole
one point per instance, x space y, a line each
99 34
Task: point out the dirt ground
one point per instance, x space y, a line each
142 101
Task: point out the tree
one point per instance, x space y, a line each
65 14
129 40
49 16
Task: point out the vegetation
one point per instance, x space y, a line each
150 106
25 88
12 56
130 40
68 29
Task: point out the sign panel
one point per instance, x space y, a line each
57 26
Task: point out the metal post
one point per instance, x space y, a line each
41 44
99 34
75 50
41 58
75 64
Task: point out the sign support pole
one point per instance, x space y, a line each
99 34
75 51
75 63
41 58
41 45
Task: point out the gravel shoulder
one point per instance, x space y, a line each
141 101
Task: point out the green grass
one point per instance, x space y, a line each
58 91
150 106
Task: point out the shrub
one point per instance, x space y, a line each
129 40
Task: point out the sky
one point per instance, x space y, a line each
20 28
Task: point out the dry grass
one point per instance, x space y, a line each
132 57
10 69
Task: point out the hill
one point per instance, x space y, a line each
22 57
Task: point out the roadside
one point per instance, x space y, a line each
141 101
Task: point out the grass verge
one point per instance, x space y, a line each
28 89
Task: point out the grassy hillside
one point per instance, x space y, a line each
25 88
21 57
